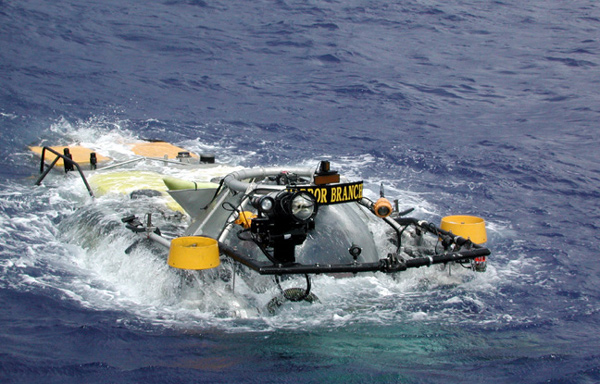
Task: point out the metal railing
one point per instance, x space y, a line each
69 163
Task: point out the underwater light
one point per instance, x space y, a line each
284 220
264 203
299 206
382 207
303 206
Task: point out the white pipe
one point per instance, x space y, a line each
159 239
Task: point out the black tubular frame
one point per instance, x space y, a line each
66 160
393 262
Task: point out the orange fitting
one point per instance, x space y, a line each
245 219
382 207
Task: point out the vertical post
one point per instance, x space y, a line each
68 164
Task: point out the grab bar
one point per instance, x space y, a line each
69 163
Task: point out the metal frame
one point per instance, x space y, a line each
66 160
393 263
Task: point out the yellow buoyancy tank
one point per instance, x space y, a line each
194 252
469 227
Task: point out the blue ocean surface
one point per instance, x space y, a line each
489 108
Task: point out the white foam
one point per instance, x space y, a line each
62 240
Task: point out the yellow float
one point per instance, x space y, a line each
469 227
193 252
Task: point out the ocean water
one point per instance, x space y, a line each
459 107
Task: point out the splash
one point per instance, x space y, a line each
62 241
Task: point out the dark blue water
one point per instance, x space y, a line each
472 107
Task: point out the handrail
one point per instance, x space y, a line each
235 183
142 158
391 264
66 160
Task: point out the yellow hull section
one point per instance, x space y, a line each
158 149
81 155
126 182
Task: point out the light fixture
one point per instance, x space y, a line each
265 204
302 206
283 222
382 207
